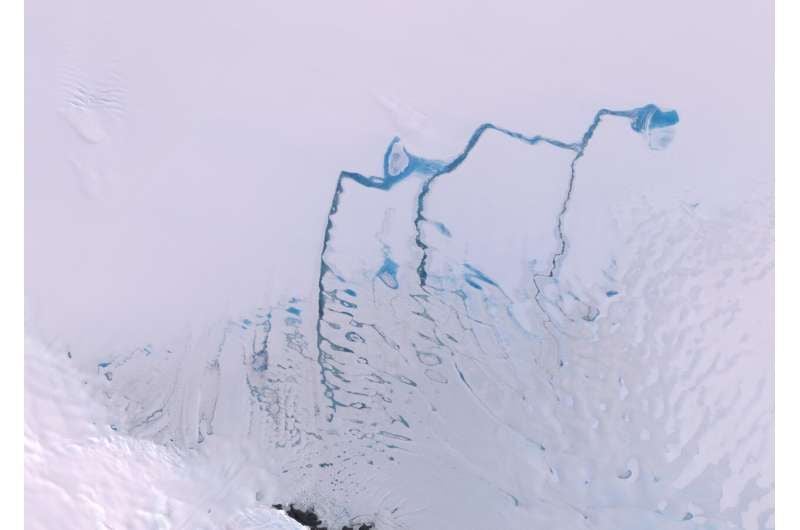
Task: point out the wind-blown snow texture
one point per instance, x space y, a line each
490 346
237 295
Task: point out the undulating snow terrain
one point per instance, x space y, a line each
79 473
238 295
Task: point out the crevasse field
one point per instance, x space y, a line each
416 266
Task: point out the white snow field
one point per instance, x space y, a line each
422 266
79 473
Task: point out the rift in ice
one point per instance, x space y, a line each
478 356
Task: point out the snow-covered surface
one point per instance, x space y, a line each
436 266
81 474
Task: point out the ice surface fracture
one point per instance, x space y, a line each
493 345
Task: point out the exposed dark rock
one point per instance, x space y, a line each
310 519
306 517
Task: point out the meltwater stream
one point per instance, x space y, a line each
400 165
458 367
